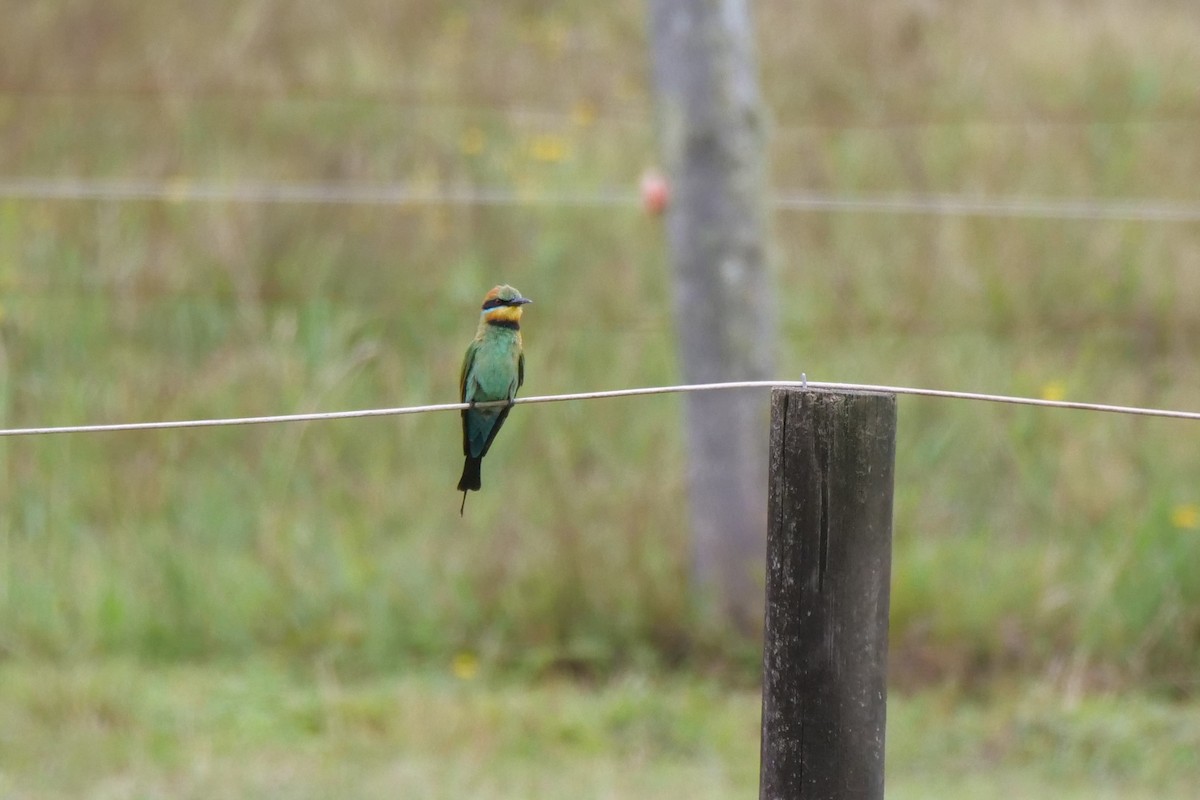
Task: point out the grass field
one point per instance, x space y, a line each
114 730
1033 548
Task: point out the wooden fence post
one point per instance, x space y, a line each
829 552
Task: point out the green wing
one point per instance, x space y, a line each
520 371
464 379
468 363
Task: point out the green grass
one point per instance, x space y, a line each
257 729
1027 542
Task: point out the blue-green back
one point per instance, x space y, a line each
491 371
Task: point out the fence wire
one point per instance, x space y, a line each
406 194
646 390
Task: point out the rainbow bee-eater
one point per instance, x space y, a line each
492 370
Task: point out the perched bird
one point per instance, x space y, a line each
493 369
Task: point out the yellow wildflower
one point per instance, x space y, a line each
1186 515
465 666
1054 390
548 147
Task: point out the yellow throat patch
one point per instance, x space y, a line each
503 314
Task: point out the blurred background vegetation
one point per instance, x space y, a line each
1030 545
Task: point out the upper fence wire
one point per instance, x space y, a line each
404 194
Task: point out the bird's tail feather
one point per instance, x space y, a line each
470 480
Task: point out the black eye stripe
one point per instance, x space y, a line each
495 302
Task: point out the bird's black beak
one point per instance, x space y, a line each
520 301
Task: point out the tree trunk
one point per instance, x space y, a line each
711 125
